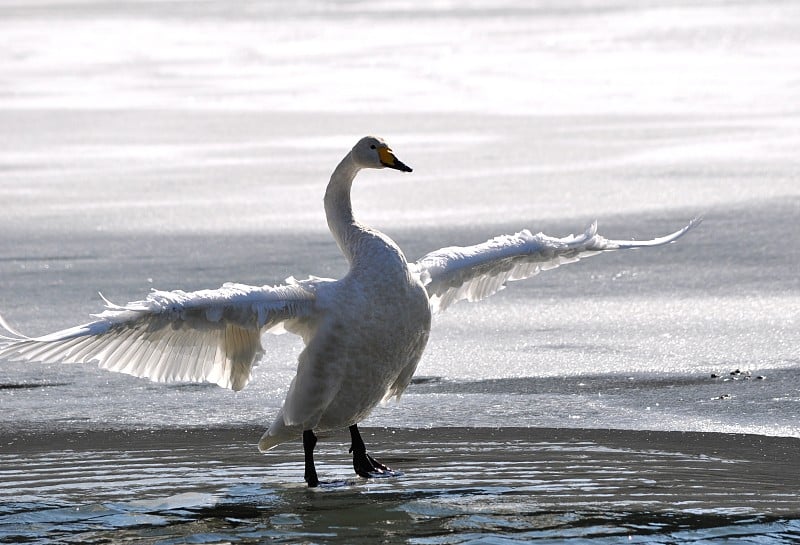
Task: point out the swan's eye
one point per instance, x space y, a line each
373 146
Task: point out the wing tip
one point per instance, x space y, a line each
9 330
694 222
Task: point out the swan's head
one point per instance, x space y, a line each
372 152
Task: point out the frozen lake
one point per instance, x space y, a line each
179 145
143 149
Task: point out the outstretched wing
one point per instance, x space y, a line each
474 272
202 336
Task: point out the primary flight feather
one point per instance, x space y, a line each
364 333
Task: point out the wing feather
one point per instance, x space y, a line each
203 336
474 272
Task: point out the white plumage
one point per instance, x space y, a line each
203 336
475 272
364 333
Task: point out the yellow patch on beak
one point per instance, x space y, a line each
387 157
389 160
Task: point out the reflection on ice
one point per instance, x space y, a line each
483 57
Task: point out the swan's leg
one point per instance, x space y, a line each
309 442
365 465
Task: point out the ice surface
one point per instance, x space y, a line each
171 145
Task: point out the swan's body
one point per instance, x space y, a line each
364 333
368 330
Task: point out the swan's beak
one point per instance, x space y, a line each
389 160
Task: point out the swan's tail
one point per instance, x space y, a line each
269 442
278 433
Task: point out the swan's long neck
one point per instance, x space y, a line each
338 209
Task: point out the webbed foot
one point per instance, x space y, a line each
368 467
365 465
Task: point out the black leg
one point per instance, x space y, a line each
365 465
309 442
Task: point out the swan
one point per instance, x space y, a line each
364 333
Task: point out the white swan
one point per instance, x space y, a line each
364 333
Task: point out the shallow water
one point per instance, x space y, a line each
459 486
